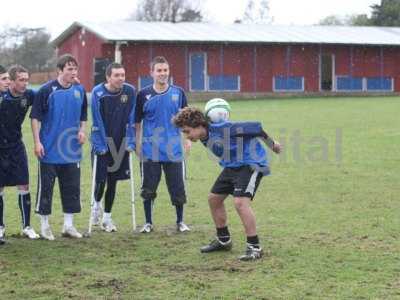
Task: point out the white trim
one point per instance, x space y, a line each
333 61
184 174
252 183
333 73
20 198
39 188
141 174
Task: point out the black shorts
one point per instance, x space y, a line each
14 166
69 179
174 177
113 169
238 182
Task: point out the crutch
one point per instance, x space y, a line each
132 191
94 171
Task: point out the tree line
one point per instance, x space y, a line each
31 47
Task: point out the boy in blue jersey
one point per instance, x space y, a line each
159 145
13 159
244 161
113 137
59 115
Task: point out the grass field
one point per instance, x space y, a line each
328 218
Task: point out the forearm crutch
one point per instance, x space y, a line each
132 191
92 198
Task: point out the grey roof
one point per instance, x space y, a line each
236 33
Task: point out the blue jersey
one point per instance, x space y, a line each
12 114
113 118
236 144
161 140
60 111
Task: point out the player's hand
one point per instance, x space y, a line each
76 80
39 150
187 146
277 148
81 137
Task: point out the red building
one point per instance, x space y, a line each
241 58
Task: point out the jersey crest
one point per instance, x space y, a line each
77 95
24 103
124 98
175 97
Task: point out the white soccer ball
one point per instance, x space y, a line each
217 110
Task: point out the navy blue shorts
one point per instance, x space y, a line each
113 169
238 182
174 177
14 166
69 179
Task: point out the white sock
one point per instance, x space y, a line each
106 217
44 221
97 204
68 220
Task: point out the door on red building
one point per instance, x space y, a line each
198 71
99 72
327 72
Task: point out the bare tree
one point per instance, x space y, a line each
29 47
257 11
348 20
168 11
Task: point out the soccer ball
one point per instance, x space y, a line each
217 110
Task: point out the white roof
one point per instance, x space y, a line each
237 33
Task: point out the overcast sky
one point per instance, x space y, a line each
58 15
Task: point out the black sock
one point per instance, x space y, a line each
253 241
179 213
99 190
1 210
148 207
223 234
24 203
110 195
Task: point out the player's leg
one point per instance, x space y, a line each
122 172
2 228
175 179
151 175
246 183
97 208
24 204
44 197
223 241
3 176
24 197
107 223
69 178
221 189
101 177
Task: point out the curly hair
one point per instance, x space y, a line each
191 117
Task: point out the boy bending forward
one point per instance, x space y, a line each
244 160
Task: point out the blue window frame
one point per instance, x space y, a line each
224 83
288 83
